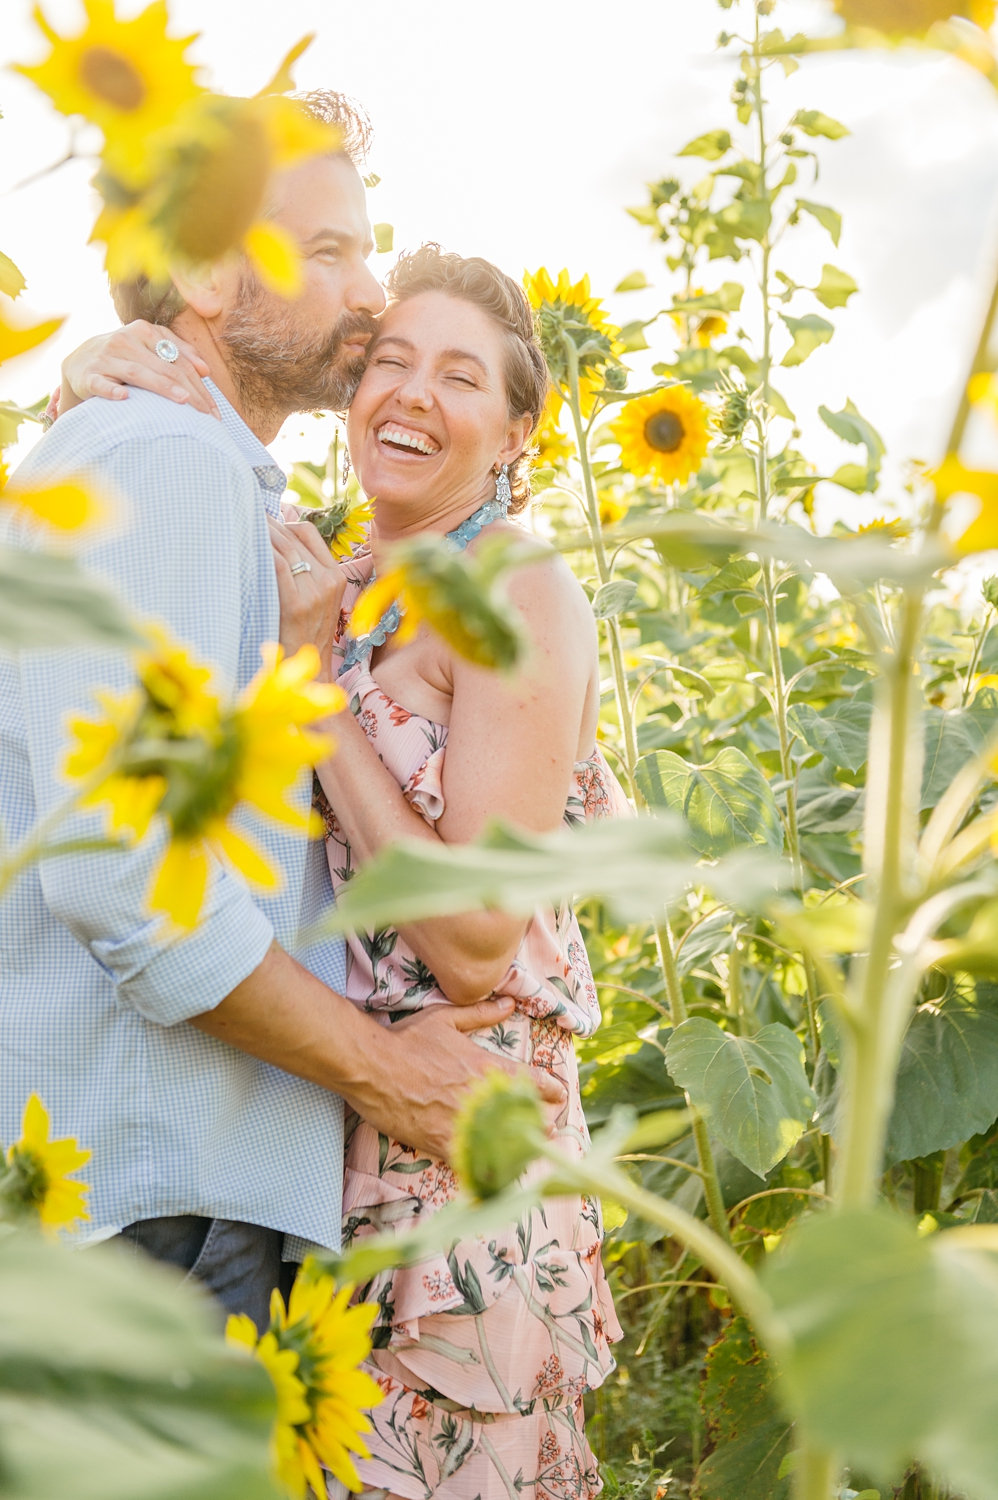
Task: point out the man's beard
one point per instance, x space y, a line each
278 367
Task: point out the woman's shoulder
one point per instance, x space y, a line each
543 582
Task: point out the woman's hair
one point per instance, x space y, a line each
430 269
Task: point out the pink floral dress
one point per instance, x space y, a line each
484 1353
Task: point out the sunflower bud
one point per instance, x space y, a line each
498 1132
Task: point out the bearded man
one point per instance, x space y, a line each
206 1072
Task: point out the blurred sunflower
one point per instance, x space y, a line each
126 76
553 447
66 507
663 435
499 1130
701 329
37 1178
205 197
897 18
313 1350
168 748
954 478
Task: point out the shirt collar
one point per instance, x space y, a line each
270 476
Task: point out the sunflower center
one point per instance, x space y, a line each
112 78
664 431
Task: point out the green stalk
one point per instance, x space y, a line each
883 990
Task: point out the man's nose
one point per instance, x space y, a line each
366 292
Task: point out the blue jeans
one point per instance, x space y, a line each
240 1264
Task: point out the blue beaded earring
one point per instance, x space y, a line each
503 492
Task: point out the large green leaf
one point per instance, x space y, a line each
947 1080
115 1383
850 425
949 743
840 733
725 803
752 1091
46 600
638 865
709 147
892 1343
814 123
828 218
747 1433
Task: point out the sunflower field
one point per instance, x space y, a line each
794 1094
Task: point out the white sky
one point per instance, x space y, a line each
522 130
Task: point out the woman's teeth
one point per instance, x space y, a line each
401 439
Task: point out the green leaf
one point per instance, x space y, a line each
752 1091
638 865
835 287
709 147
11 280
744 219
115 1382
11 417
632 336
813 122
45 600
747 1432
614 598
869 1309
807 333
949 744
635 282
840 733
726 298
826 217
853 477
725 803
384 237
947 1079
850 425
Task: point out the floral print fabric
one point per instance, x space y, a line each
485 1353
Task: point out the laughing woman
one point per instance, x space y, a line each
484 1354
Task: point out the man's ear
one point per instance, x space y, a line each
204 288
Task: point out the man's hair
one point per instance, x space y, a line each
471 279
159 301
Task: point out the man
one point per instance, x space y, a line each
205 1072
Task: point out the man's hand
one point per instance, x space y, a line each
428 1065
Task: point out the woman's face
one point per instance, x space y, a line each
430 418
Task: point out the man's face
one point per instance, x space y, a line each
308 354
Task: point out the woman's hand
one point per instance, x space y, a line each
105 365
310 597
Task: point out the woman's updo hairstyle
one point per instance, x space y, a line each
430 269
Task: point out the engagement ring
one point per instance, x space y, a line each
167 349
301 566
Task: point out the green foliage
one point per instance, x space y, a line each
747 1432
45 600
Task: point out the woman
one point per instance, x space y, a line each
483 1354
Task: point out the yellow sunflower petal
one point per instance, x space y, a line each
18 338
276 257
66 507
179 885
245 857
953 478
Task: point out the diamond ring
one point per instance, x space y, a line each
301 566
167 349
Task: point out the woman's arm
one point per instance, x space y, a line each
107 364
511 747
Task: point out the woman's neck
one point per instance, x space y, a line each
399 523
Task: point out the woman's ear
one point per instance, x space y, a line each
517 437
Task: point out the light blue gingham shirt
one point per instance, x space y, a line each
94 992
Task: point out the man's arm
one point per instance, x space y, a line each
406 1080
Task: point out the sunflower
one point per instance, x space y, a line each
168 748
900 18
38 1179
127 77
344 525
566 309
313 1349
701 328
205 196
663 435
553 447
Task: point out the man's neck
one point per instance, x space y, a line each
263 423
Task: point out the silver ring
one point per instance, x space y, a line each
167 349
301 566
